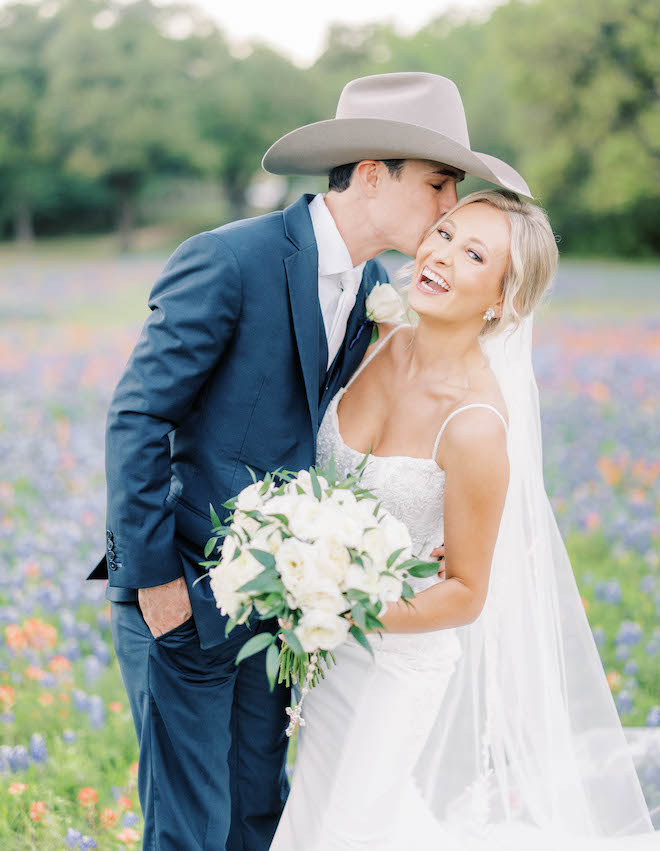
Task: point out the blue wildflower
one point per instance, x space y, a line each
69 736
38 749
72 837
130 819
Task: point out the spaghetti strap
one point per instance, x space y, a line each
373 354
458 411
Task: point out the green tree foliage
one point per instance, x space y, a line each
586 83
99 98
27 178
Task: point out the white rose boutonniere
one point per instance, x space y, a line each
384 304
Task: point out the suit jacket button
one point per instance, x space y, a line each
113 564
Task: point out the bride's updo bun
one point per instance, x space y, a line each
533 254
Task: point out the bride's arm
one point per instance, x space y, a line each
473 455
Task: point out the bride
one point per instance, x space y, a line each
484 719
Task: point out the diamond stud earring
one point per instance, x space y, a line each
489 314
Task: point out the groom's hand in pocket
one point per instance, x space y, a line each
439 553
164 607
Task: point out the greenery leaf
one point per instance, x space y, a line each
294 642
254 645
361 638
268 582
395 555
210 545
267 559
215 520
316 485
272 664
424 568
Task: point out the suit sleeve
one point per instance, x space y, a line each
195 306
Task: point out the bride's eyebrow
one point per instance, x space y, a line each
474 239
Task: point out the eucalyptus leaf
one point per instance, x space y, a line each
267 581
215 520
361 638
210 546
395 555
254 645
267 559
272 664
424 569
294 642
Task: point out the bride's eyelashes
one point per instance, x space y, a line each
470 251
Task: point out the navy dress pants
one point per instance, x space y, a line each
211 736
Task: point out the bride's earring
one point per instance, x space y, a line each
489 314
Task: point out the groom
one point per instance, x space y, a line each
254 327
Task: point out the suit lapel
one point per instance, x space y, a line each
302 279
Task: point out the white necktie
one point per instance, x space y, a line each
350 287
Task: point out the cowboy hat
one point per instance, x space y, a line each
408 115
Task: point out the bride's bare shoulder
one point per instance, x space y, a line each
400 339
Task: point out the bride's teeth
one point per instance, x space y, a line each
435 278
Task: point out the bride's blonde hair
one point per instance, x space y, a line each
533 254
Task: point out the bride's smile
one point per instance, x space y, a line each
464 269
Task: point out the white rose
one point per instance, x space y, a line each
397 537
333 559
306 520
330 601
364 579
295 564
384 304
341 523
318 630
305 481
268 539
228 577
343 497
249 499
246 526
374 544
389 589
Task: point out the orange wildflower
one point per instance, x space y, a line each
114 706
58 664
609 470
134 768
124 803
15 637
38 810
17 788
128 835
7 695
46 698
109 817
614 680
34 673
88 796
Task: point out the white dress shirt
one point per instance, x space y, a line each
339 280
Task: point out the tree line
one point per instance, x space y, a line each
99 97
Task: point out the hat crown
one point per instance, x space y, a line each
424 100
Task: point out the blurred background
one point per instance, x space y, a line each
126 127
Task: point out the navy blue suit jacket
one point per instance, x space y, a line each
229 372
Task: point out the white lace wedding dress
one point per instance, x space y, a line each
368 721
372 722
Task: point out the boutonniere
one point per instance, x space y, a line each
384 304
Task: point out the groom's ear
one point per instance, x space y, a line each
368 173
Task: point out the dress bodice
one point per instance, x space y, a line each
410 488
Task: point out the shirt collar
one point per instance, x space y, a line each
334 258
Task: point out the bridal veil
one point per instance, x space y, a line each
529 736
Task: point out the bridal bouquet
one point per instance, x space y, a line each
318 553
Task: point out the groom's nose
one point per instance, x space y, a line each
448 198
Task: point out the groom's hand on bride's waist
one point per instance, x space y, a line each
164 607
439 553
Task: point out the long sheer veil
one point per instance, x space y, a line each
529 733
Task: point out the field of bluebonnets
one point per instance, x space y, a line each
68 754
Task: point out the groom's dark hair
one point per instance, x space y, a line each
340 176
